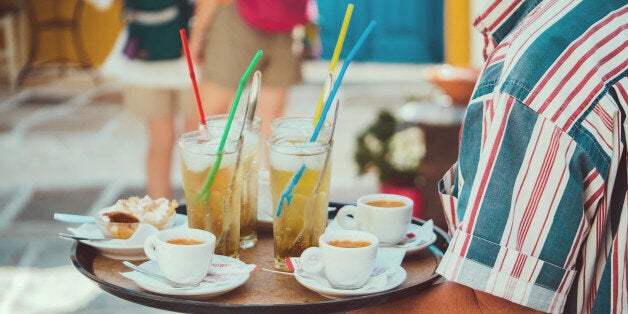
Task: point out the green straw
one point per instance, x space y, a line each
210 178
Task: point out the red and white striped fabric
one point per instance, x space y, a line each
537 202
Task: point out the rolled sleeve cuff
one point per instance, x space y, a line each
506 273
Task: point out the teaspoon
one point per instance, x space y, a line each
158 276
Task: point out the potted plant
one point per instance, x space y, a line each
394 152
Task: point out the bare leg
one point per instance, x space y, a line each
450 297
190 124
272 105
159 157
216 98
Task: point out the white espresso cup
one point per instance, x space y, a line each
387 216
184 255
345 267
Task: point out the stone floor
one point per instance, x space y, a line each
68 146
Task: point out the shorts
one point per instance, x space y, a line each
150 103
231 45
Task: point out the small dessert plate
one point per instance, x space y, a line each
396 276
130 249
219 284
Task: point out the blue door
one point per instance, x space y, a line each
407 31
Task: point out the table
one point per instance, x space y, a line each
264 292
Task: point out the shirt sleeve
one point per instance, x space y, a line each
515 207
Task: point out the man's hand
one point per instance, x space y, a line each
197 48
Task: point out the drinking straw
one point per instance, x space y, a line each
341 75
287 194
186 48
322 175
334 59
204 192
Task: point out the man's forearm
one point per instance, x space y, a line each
449 297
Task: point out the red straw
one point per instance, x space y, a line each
199 106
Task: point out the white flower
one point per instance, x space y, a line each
373 144
406 149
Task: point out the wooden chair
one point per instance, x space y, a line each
8 50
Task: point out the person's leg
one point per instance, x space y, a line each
154 106
161 132
271 105
216 98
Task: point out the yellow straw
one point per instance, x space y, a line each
334 59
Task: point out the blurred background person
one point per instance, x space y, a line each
225 36
148 60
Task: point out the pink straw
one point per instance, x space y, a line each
186 48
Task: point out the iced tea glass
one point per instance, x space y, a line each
250 169
219 211
304 218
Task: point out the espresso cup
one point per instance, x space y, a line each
387 216
184 255
347 258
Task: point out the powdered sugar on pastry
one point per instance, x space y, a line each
145 209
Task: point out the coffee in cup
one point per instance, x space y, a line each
387 216
347 258
184 255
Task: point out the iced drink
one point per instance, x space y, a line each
298 126
250 169
304 219
219 212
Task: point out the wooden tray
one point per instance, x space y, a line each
264 292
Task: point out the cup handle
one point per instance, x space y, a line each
343 217
312 260
150 247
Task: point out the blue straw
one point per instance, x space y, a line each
345 65
287 194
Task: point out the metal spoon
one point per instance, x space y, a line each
158 276
253 96
71 236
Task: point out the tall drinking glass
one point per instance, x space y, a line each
218 211
304 219
250 168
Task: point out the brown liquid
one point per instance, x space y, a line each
121 217
181 241
349 243
384 203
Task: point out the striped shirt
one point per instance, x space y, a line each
537 203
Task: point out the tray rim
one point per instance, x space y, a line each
80 253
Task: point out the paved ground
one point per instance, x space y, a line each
67 146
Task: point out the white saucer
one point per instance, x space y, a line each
131 249
417 244
396 277
204 290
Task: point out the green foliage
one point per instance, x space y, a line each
374 151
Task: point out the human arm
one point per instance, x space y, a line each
204 11
448 297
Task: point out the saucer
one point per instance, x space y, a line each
416 244
205 289
131 249
396 276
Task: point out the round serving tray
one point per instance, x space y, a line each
264 292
